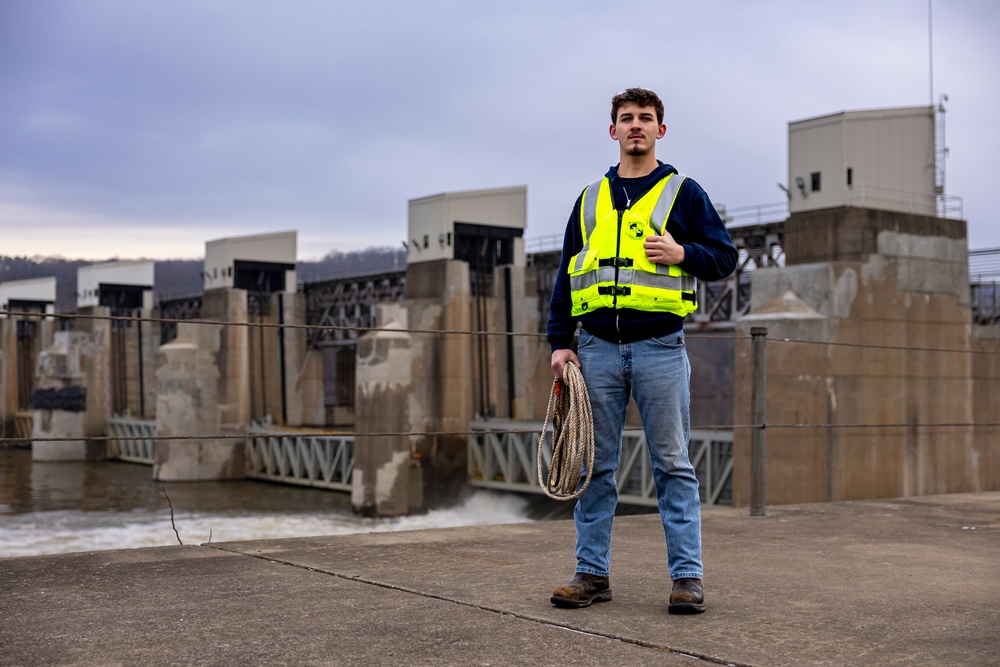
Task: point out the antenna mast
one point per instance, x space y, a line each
930 52
940 148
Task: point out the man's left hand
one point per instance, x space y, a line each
664 249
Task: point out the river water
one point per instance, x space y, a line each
48 508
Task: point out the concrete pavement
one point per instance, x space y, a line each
892 582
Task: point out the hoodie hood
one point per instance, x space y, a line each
621 197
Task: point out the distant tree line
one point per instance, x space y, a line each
175 278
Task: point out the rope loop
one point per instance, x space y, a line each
572 437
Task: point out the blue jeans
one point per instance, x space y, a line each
657 372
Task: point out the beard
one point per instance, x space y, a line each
636 150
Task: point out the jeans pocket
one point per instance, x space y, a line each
674 341
585 338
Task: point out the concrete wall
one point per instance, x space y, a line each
409 381
65 407
303 367
852 234
203 389
96 364
216 379
415 383
879 336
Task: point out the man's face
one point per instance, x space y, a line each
636 129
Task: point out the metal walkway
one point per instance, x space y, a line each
283 455
501 456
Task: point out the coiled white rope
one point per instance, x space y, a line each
572 437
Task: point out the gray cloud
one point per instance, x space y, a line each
236 117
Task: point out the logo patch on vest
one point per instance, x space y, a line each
637 229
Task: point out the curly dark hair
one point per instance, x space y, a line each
640 97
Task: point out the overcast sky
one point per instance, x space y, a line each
143 129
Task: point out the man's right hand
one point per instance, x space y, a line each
560 358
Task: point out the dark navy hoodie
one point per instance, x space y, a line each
694 223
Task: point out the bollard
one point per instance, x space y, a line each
758 394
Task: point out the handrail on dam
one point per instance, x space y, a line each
133 439
283 455
501 455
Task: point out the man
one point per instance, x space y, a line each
635 244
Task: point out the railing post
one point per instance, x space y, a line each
758 393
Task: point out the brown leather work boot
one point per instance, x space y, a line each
581 591
688 597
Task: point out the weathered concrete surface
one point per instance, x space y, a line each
415 384
68 365
852 234
188 404
203 381
900 582
870 355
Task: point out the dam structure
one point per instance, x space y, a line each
406 387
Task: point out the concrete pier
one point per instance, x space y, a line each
869 323
203 389
68 402
900 581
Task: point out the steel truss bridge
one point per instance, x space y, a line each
501 456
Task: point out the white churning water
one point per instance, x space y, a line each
65 531
49 508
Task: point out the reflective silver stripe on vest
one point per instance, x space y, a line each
590 206
589 220
679 283
632 277
605 274
663 206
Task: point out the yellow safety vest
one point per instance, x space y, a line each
601 277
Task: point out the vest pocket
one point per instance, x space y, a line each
582 263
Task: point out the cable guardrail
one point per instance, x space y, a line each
312 455
307 433
469 332
447 332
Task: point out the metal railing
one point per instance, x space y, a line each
134 439
505 460
984 265
757 214
547 243
282 455
984 285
